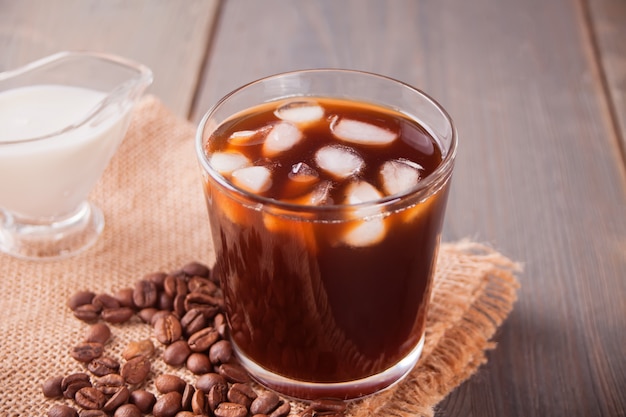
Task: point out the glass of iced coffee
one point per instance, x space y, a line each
326 192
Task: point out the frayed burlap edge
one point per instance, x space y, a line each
481 286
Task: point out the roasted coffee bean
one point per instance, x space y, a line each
146 314
120 397
230 410
241 394
138 348
87 351
165 302
193 321
199 403
188 394
158 315
136 370
179 305
72 383
145 294
87 313
80 298
203 339
321 405
167 329
104 301
110 384
167 383
199 363
51 387
207 381
196 269
60 410
175 285
125 297
233 373
128 410
92 413
220 352
167 405
208 304
217 395
203 285
282 410
90 398
103 365
265 403
219 322
177 353
98 333
157 278
117 315
144 400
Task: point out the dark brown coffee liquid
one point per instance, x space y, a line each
319 299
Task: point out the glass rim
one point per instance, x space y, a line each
143 77
433 181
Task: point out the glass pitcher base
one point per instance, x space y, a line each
54 240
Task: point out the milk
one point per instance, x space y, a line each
49 177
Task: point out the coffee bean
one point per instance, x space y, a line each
103 365
92 413
230 410
217 395
282 410
193 321
187 414
167 405
60 410
120 397
98 333
72 383
219 322
233 373
138 348
241 394
157 278
145 294
175 285
144 400
196 269
179 305
199 403
220 352
87 351
203 339
128 410
80 298
265 403
199 363
188 394
125 297
90 398
87 313
146 314
167 383
177 353
203 285
136 370
110 384
207 381
167 329
104 301
51 387
208 304
165 302
117 315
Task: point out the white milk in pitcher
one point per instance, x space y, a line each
49 177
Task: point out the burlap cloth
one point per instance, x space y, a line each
156 221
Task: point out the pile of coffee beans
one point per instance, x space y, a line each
185 310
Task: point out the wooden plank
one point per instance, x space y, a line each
538 175
168 38
608 25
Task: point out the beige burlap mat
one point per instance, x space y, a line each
156 221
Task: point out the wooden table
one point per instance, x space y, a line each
537 89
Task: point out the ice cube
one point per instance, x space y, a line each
301 172
249 137
361 192
255 179
362 133
299 112
400 175
227 162
339 161
366 233
282 137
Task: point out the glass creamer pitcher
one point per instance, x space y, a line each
61 120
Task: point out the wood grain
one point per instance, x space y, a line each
168 38
538 175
